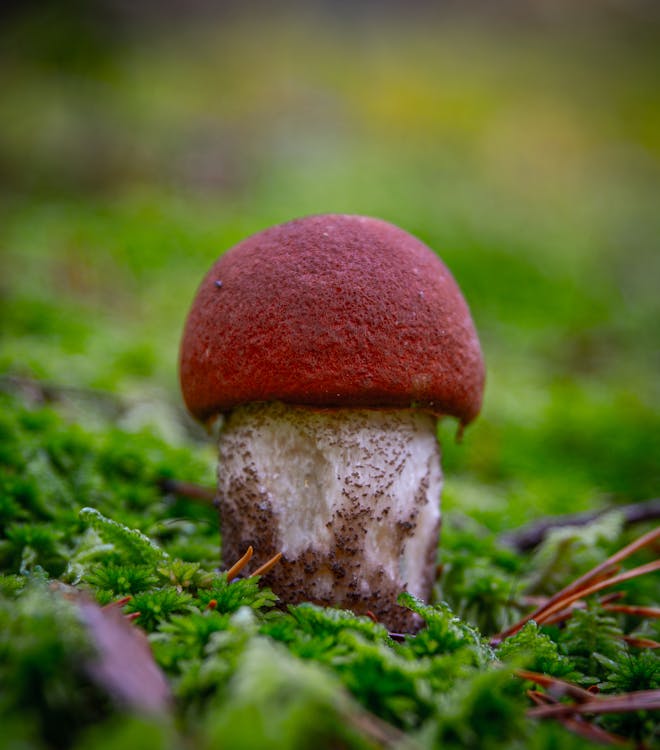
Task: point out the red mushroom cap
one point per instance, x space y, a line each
331 311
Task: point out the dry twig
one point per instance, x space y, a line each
531 535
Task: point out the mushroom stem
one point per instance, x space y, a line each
351 497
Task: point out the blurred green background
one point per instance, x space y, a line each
521 142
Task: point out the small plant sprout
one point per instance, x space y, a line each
329 352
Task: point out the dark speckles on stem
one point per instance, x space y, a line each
340 564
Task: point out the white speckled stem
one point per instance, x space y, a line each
351 497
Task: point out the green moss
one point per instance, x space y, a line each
540 195
534 650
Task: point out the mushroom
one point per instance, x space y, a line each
330 345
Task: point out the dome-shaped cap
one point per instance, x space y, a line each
331 311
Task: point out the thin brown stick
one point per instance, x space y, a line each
599 586
562 615
190 490
555 686
613 596
240 564
631 609
541 601
603 600
593 732
529 536
635 641
627 609
118 602
641 700
541 699
577 724
640 642
562 598
267 566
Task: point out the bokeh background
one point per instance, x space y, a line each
521 140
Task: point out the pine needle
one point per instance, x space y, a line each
640 642
578 725
599 586
631 609
557 688
267 566
594 580
641 700
240 564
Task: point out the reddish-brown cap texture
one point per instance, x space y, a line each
331 311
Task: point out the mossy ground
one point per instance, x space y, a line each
130 162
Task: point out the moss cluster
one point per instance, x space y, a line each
241 670
131 155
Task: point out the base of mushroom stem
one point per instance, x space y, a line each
289 582
351 497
